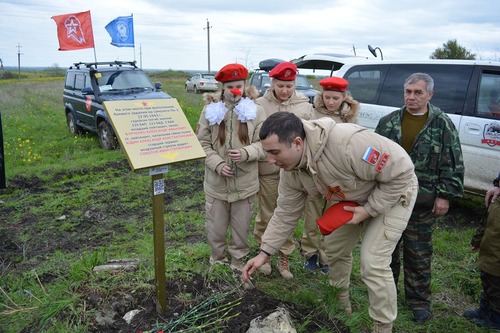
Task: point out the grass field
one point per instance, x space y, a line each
69 206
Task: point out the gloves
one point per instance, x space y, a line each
334 217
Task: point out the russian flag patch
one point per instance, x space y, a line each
371 155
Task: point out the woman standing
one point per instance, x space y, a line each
228 131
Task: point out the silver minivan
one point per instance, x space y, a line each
467 90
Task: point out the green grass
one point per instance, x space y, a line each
97 209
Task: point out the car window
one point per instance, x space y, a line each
80 82
70 81
365 83
384 85
450 85
489 95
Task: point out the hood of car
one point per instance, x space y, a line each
116 96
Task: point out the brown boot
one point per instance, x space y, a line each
344 301
379 327
266 267
283 268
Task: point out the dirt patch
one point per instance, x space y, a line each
184 296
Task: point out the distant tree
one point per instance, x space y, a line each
55 70
451 50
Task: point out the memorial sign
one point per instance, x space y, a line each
153 132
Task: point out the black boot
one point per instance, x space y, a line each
495 320
483 316
481 313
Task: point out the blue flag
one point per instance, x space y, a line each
121 30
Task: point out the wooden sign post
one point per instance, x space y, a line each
153 134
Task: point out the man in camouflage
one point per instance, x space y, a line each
430 138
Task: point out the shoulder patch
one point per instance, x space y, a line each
371 155
382 163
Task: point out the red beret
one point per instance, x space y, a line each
285 71
232 72
334 84
335 216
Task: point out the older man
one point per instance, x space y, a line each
431 140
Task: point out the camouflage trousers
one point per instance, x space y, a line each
490 297
416 245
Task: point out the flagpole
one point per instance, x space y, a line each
95 54
132 15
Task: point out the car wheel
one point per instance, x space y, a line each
72 126
195 90
106 138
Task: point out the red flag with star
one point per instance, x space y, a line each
74 31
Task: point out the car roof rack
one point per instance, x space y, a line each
105 63
268 64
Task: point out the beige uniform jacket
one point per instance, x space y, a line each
245 183
297 104
340 162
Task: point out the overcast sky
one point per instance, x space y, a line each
173 34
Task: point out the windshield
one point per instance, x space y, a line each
208 76
302 82
121 80
265 80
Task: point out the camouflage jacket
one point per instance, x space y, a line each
436 153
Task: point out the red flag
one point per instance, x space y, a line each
74 31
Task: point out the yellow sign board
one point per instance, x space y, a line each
153 132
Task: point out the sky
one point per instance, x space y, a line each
173 34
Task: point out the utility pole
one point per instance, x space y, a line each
208 41
354 49
19 60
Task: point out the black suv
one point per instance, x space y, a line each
261 80
89 84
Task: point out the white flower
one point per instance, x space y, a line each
246 110
215 113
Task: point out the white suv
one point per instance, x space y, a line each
464 89
201 82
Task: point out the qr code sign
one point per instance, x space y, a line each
159 186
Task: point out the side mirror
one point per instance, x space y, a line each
158 85
87 91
